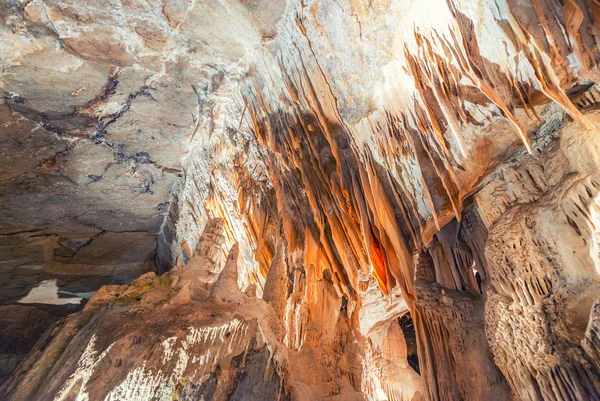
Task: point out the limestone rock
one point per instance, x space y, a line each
204 198
225 289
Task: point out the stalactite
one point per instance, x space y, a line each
277 283
357 168
527 270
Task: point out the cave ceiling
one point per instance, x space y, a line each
387 148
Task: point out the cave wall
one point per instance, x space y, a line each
192 334
542 258
346 161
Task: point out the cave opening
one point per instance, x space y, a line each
408 329
477 276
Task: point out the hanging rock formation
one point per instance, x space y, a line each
300 200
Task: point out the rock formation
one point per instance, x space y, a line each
300 200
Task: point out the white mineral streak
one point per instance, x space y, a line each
168 348
85 368
197 353
140 385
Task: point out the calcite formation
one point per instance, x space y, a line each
300 200
192 334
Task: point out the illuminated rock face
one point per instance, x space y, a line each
188 335
338 199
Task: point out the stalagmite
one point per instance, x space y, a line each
225 289
208 256
277 283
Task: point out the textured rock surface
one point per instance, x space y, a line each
342 162
182 336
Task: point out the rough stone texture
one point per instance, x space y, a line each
176 336
20 328
349 161
543 257
453 355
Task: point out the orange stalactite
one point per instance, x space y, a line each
378 260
